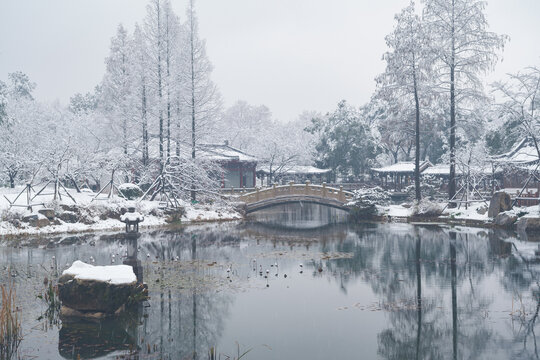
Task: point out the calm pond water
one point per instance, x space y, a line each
390 291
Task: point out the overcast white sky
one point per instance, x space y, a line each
291 55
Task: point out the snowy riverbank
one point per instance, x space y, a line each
473 215
84 215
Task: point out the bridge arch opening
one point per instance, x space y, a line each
299 215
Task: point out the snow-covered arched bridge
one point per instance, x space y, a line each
296 193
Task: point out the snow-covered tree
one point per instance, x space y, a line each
3 101
141 91
243 125
345 143
394 124
277 145
200 98
18 144
465 50
302 142
408 67
521 103
172 40
20 86
278 151
155 51
117 87
19 128
85 103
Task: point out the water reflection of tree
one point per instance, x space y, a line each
446 318
417 331
185 323
521 279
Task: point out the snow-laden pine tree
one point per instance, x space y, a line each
465 50
408 69
117 88
200 98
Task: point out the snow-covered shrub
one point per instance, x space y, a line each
13 217
130 191
429 188
87 216
56 205
365 201
426 208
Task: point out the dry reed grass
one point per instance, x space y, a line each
10 326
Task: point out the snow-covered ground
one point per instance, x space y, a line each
477 211
94 211
395 211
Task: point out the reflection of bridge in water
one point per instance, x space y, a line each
298 205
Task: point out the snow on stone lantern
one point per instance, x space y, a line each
132 219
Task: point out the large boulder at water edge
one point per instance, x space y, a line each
36 220
48 213
98 291
500 201
69 217
529 225
505 219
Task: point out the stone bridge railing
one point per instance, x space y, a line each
307 189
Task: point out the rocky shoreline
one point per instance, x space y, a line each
73 219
